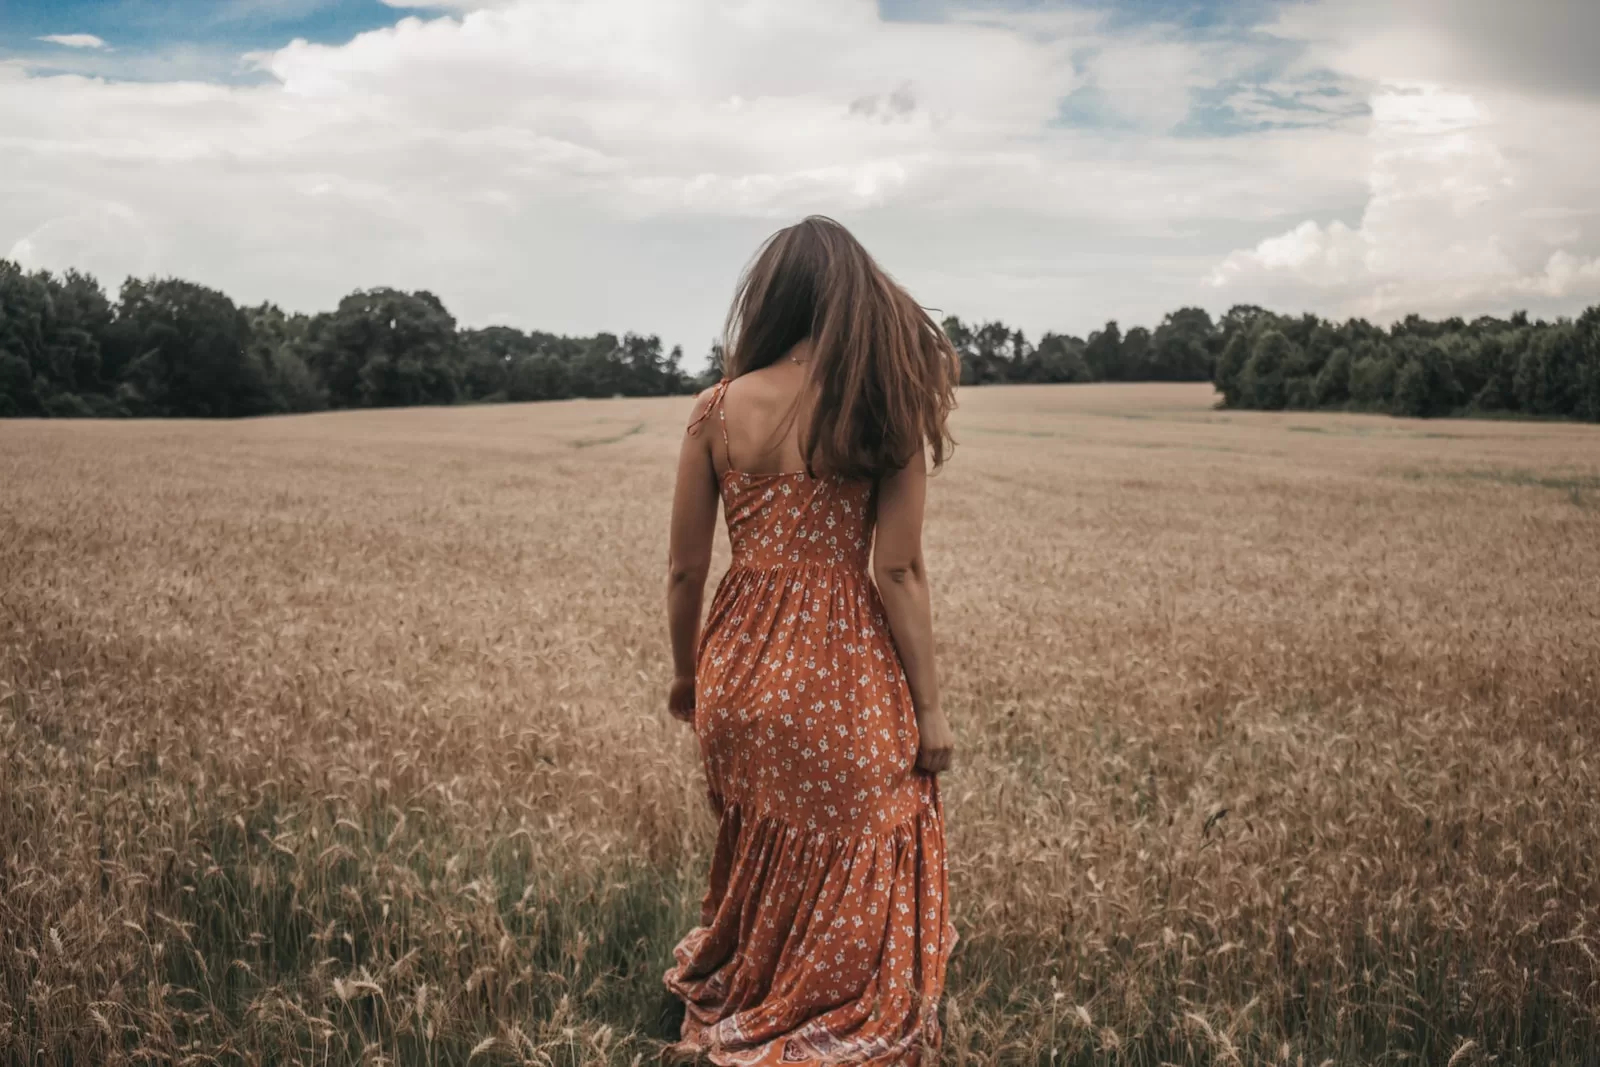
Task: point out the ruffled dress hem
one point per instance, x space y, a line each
845 918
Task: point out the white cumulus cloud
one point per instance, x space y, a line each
611 164
1469 209
74 40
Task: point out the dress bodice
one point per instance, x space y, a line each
778 520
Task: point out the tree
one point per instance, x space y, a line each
1243 318
278 342
1496 373
1057 358
185 350
1546 381
488 356
24 313
17 394
1136 358
1332 386
1372 375
540 376
1230 366
1181 349
1103 353
714 368
1411 396
647 371
1586 388
77 316
1299 371
387 348
1261 383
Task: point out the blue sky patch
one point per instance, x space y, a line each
1120 14
161 39
1248 107
158 39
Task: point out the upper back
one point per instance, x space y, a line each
763 417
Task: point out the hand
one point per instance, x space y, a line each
937 742
680 698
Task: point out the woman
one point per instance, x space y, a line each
824 935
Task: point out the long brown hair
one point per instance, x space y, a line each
884 371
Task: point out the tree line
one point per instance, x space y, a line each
1262 360
171 348
168 347
1182 349
1415 367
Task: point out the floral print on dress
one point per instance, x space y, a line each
824 934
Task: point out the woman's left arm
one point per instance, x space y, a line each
694 523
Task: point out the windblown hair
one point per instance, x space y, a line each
884 372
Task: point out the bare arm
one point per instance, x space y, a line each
902 579
694 521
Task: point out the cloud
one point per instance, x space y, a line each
611 164
74 40
1148 82
1472 206
106 239
1545 47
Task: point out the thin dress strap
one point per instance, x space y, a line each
722 417
718 393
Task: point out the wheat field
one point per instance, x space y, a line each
340 739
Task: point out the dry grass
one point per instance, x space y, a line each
338 738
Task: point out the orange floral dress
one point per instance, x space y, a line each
824 935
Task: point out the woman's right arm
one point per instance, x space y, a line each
694 525
902 580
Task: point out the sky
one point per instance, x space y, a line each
586 165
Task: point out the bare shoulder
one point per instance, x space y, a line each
704 402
